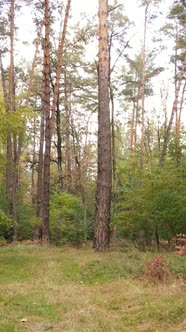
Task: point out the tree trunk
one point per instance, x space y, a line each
37 230
46 105
37 43
12 153
178 126
50 119
103 194
3 79
59 143
33 163
143 88
68 155
174 108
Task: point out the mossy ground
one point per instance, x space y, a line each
78 290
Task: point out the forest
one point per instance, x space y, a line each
92 129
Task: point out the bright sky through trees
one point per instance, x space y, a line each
131 9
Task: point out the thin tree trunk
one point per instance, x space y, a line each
37 230
143 87
30 82
50 119
104 179
178 126
59 64
40 162
46 105
40 166
157 238
113 140
3 78
111 93
77 157
134 123
174 108
33 164
59 143
12 156
67 156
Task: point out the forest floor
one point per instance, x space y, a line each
66 289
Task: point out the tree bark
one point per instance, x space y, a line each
59 143
37 43
143 87
178 126
50 119
104 178
46 106
12 152
68 153
174 108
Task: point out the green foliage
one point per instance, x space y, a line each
13 122
66 215
153 202
4 201
26 221
6 224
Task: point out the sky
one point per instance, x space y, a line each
131 9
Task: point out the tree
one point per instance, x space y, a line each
103 193
13 146
177 30
50 117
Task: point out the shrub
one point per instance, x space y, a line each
158 270
6 225
66 218
2 241
26 221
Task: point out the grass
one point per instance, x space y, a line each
54 289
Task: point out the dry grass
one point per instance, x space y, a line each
52 289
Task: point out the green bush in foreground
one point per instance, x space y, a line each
66 218
6 225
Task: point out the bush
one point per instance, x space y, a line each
66 219
2 241
26 221
6 225
158 270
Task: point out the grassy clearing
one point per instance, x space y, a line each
54 289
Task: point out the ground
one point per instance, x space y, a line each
44 288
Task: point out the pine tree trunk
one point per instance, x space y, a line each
37 230
143 88
178 126
9 99
3 79
174 108
68 156
59 143
46 105
37 43
50 119
103 194
33 163
12 153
